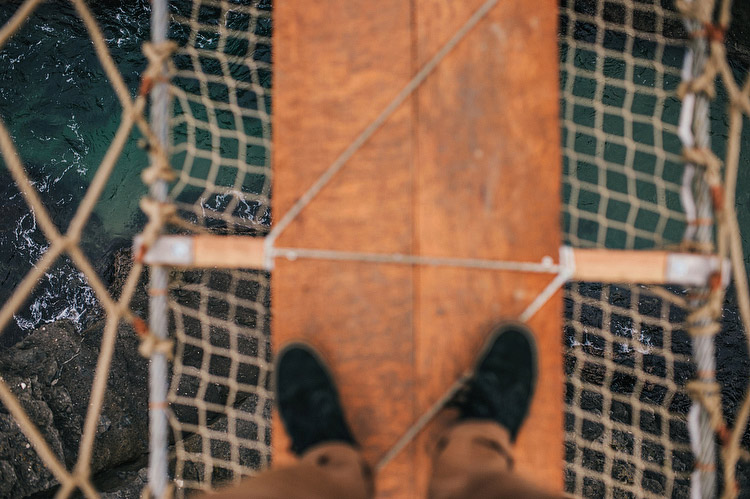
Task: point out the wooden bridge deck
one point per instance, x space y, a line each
469 166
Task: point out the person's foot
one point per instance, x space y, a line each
502 384
307 399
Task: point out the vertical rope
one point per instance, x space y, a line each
158 470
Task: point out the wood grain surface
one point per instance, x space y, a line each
467 167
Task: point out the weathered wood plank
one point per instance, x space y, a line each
488 181
467 168
337 64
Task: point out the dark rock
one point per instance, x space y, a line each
125 482
122 262
129 485
52 372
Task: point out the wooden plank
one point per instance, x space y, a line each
644 267
211 251
360 317
337 65
648 267
205 251
395 335
488 182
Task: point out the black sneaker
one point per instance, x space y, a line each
307 399
502 385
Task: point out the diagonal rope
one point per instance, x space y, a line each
565 271
703 65
547 293
30 194
19 18
420 423
116 311
368 132
32 433
738 107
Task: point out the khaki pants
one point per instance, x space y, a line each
472 460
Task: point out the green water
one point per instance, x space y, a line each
62 115
62 112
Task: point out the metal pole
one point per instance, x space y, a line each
697 134
158 464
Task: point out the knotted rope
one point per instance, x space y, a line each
150 343
159 57
704 320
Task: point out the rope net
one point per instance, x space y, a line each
620 65
67 242
220 150
219 394
639 173
627 362
627 356
221 126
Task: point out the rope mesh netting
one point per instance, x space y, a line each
627 356
220 134
221 126
620 65
638 173
219 395
626 365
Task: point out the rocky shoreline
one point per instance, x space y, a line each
51 371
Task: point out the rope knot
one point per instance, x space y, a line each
158 211
158 55
702 156
702 321
704 84
714 32
158 71
160 168
159 214
150 343
698 11
708 394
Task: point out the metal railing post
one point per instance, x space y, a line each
158 474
